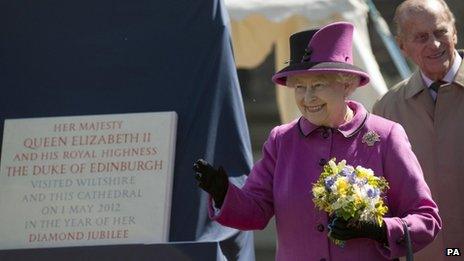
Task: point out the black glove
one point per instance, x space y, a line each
344 230
213 181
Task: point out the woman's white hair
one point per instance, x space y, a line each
351 80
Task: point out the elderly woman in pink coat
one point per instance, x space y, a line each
323 76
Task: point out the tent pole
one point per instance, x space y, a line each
382 29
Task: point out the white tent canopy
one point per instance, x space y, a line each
258 25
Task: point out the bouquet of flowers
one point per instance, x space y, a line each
353 194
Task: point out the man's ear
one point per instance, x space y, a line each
455 35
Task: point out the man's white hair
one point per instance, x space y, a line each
405 9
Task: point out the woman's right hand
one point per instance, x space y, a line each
214 181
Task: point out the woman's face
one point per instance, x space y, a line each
320 98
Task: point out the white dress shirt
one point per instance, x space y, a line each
449 77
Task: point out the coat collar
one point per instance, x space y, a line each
459 79
347 129
416 83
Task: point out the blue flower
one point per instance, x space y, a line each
361 182
350 175
373 192
352 178
329 181
345 172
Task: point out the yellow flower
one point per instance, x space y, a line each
318 191
364 173
342 186
358 199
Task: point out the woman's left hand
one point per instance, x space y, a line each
344 230
212 180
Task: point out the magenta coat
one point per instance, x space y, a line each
280 184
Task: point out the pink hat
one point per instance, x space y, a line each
329 51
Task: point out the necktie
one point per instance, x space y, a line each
436 84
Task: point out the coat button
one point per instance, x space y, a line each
325 134
400 240
322 162
320 227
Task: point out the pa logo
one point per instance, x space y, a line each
452 252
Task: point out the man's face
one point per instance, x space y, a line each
429 40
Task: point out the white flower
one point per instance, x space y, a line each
341 164
333 166
365 172
340 203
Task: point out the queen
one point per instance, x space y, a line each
322 75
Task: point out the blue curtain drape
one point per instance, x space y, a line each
62 58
